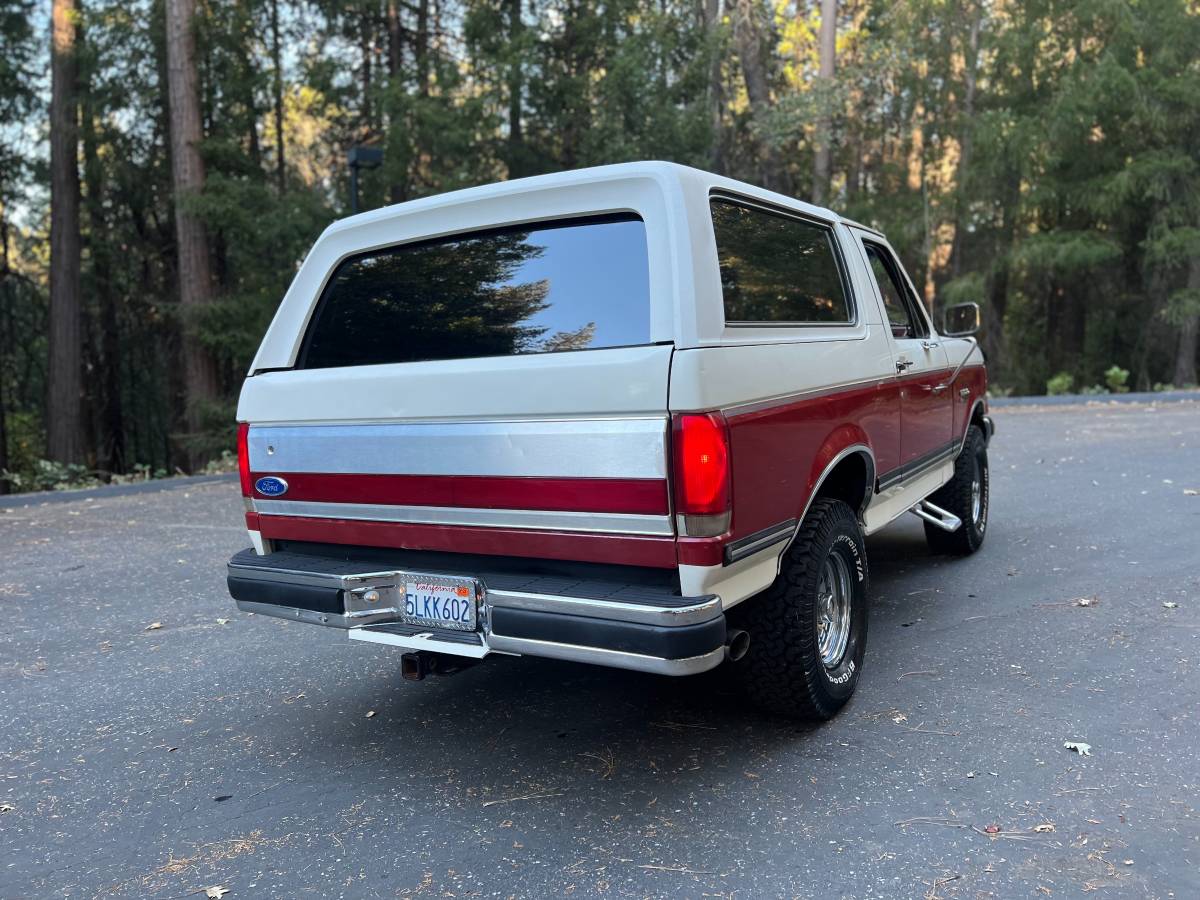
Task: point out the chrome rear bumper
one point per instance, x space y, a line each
639 627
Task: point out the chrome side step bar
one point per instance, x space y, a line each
935 515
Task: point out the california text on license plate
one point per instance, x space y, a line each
440 602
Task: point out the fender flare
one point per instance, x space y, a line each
967 422
860 447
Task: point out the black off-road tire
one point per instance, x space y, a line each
782 672
957 496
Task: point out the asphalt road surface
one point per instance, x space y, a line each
155 742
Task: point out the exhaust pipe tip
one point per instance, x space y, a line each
737 644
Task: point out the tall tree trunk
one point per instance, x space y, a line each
187 176
64 409
395 37
965 139
111 451
422 47
827 49
1185 356
517 158
992 337
749 42
711 11
4 275
571 132
365 74
277 90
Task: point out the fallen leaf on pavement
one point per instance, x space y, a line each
1086 601
222 621
1190 492
216 892
154 626
370 714
992 829
1079 747
1044 828
1170 604
7 807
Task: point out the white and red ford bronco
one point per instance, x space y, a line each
639 416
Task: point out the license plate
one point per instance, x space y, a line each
441 602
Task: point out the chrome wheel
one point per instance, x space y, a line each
976 493
833 610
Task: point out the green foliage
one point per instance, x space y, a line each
970 288
1115 377
1060 384
1062 193
225 464
47 475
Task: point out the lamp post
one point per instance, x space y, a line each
361 157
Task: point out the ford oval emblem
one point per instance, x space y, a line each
271 486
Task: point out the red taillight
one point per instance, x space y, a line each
243 451
701 442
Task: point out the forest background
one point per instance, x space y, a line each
166 164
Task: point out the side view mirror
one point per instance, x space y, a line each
960 320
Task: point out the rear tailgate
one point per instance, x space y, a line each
556 455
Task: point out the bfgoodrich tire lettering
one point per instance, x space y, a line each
966 495
784 671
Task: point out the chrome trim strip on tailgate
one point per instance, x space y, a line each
566 448
542 520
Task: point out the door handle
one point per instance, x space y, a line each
902 363
929 345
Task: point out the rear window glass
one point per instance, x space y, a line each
578 284
776 269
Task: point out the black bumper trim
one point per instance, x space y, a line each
659 641
282 593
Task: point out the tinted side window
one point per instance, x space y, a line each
777 269
579 284
897 299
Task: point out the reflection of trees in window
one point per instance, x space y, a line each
579 339
437 301
776 269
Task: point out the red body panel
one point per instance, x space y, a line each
926 415
630 550
645 496
974 379
778 453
